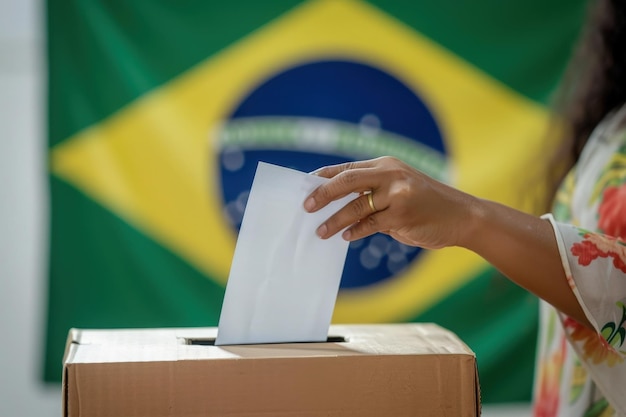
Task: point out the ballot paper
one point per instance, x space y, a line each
284 279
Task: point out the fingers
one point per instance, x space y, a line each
356 212
366 227
355 180
362 214
332 170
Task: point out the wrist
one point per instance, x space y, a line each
472 222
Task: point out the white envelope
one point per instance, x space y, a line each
284 279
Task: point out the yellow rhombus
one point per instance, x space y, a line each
154 162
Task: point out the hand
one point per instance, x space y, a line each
420 211
410 206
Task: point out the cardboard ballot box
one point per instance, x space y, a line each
363 370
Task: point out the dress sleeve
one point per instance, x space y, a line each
595 267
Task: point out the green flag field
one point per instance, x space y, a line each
158 112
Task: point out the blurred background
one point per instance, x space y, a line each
130 131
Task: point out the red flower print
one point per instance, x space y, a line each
594 246
612 211
547 394
586 252
618 262
596 349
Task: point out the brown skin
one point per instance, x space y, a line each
420 211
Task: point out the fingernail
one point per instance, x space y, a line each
309 204
321 231
346 235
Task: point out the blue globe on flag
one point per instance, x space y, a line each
323 113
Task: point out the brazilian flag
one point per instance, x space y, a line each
159 112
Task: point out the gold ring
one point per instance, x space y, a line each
370 200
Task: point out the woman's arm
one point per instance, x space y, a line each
524 248
420 211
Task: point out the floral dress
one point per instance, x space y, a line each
581 372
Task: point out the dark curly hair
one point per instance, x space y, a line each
594 83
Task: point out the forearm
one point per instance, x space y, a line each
524 248
420 211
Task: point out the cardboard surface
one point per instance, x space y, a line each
379 370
